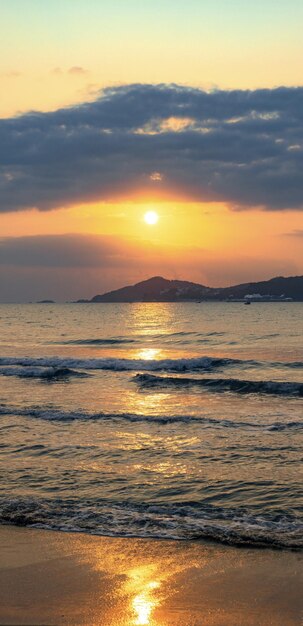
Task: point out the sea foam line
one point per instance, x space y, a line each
178 521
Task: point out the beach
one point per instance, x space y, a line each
52 578
150 463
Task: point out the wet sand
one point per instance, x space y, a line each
53 578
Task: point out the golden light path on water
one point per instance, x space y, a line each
145 600
144 573
148 319
149 354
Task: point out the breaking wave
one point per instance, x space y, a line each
181 365
171 365
180 521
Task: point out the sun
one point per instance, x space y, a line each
151 218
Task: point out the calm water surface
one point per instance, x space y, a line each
154 420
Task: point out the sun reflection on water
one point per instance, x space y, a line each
149 319
139 574
144 603
151 403
149 354
143 599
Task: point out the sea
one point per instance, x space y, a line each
161 420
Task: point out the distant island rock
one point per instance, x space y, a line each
45 302
158 289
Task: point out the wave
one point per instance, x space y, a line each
182 521
234 385
181 337
184 333
59 415
190 364
294 364
171 365
112 341
45 373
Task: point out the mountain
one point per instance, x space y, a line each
158 289
290 287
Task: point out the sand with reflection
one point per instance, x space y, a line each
60 578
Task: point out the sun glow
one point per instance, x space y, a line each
151 218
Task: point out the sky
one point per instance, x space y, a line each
112 109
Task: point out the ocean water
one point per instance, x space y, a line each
178 421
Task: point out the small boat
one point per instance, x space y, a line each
247 302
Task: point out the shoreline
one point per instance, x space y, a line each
53 578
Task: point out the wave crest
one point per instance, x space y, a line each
234 385
174 365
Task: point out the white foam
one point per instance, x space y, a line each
176 365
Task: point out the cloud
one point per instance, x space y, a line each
63 251
57 71
295 233
76 70
11 74
76 266
244 148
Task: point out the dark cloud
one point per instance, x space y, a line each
241 147
63 251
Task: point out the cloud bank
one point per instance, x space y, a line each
73 266
240 147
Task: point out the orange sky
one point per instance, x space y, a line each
61 53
